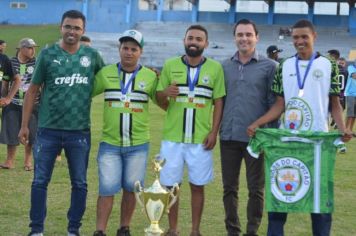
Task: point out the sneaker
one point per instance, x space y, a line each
73 233
99 233
35 234
123 231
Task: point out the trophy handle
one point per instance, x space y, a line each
174 198
138 193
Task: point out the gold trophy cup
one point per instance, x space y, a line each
156 200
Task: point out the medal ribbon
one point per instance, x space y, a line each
122 84
196 76
300 83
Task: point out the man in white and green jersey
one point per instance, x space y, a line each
123 151
194 86
23 64
304 85
65 73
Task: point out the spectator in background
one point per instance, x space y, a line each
273 53
350 94
23 64
4 61
85 40
2 46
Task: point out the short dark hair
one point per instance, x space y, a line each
334 53
74 14
2 41
197 27
246 22
303 24
85 38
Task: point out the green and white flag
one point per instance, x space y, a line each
299 169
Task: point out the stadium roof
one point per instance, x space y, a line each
307 1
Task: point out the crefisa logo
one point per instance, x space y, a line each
290 179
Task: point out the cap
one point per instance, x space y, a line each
334 52
273 49
132 34
26 43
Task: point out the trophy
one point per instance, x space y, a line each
156 200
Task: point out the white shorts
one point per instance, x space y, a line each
199 162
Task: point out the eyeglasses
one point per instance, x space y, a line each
70 27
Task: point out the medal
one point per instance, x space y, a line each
301 82
124 89
194 81
301 93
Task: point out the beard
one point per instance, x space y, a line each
193 53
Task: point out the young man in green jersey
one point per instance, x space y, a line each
194 86
65 73
123 151
305 84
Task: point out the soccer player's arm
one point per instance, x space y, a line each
30 96
99 81
153 95
165 88
336 109
277 108
218 95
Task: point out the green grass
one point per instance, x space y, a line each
43 35
15 189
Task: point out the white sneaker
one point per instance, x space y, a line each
72 234
36 234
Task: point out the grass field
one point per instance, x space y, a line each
15 184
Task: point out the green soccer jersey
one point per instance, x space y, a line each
67 81
299 169
188 118
126 118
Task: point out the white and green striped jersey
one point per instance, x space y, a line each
307 108
188 118
126 118
299 169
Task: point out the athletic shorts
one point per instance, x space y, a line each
11 123
350 106
120 167
199 163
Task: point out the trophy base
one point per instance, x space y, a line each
153 230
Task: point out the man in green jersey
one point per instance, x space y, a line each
123 151
65 73
304 84
192 84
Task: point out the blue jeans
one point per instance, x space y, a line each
120 167
48 144
321 224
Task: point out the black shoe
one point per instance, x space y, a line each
99 233
123 231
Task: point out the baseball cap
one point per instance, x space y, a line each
334 52
273 49
132 34
26 43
